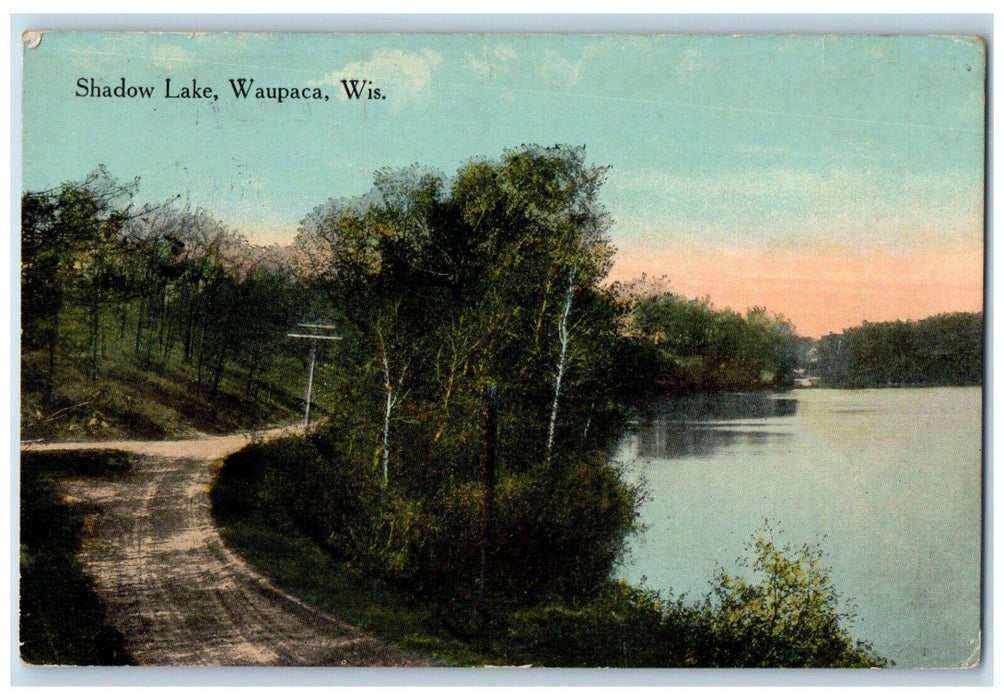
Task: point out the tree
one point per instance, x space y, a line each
788 615
72 253
703 348
95 263
540 245
445 287
367 255
42 250
462 286
946 349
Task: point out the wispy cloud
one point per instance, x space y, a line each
406 74
559 70
556 69
690 65
494 60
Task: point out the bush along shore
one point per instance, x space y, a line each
411 573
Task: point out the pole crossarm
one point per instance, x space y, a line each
313 337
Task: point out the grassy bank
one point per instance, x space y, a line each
129 400
62 620
785 614
622 627
297 564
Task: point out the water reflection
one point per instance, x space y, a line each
704 424
887 480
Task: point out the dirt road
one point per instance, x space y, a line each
176 593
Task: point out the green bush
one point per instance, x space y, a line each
621 626
789 616
555 533
557 536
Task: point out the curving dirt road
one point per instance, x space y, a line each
176 593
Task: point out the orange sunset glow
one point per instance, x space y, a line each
821 289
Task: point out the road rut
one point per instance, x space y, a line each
177 594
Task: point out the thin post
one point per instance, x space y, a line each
310 383
488 500
313 336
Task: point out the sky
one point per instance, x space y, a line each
832 179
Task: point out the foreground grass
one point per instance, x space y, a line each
62 620
303 568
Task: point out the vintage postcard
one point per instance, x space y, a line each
482 350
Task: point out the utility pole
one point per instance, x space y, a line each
487 501
313 332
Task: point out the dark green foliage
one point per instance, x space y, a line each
683 345
788 617
71 251
292 487
443 288
941 350
62 621
620 627
150 320
555 535
100 463
40 261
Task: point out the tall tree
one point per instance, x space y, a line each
72 252
458 284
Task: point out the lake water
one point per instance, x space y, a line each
887 481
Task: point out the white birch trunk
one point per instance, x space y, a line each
393 396
385 454
562 359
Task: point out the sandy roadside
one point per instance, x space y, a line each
177 594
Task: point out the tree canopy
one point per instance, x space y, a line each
946 349
446 287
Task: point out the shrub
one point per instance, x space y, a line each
788 617
621 626
557 532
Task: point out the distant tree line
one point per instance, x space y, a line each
678 345
946 349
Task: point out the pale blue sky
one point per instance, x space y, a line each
715 143
755 139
